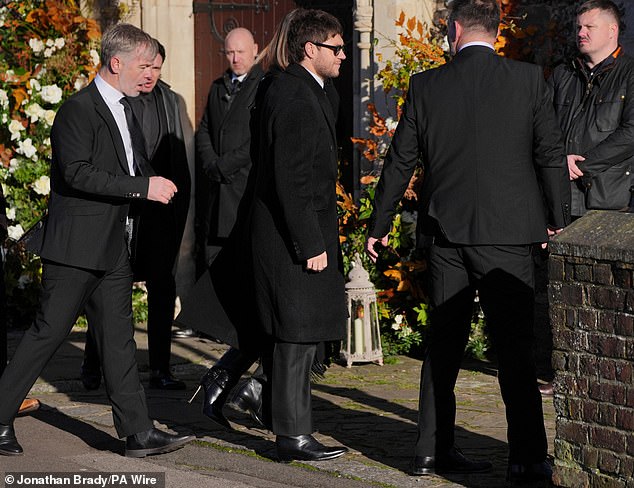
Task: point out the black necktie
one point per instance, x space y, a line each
141 164
235 86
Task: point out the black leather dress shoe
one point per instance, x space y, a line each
453 462
248 398
9 445
154 441
161 380
184 333
529 472
305 448
90 377
547 389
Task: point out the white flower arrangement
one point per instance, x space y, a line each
15 128
52 94
36 45
27 149
15 231
42 186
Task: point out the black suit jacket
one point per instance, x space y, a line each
90 185
485 131
294 214
222 155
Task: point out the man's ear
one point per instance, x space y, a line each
115 65
310 50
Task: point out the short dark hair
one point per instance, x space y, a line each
604 5
476 14
310 25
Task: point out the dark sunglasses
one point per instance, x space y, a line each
335 49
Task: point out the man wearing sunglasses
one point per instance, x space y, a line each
299 283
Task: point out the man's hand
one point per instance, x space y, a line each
369 246
317 263
573 169
161 189
551 233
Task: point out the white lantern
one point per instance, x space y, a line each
363 338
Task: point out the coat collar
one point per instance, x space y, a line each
326 107
474 49
104 112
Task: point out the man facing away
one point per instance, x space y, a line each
594 101
484 129
297 265
160 229
96 172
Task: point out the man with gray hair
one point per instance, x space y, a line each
99 167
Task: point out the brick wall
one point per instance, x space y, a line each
591 297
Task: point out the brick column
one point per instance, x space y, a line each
591 309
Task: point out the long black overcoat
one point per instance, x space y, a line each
294 213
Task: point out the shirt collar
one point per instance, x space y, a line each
477 43
109 93
317 78
239 78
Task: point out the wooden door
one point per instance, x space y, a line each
213 19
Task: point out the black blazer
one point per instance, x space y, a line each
90 185
484 128
294 214
222 154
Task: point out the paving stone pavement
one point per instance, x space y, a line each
368 408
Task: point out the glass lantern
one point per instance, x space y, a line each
363 337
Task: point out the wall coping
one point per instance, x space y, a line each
600 234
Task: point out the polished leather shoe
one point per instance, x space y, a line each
29 405
216 384
9 445
453 462
184 333
90 378
529 472
153 442
305 448
248 398
162 380
547 389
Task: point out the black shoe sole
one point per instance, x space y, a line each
290 459
10 453
141 453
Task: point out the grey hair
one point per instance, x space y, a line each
125 39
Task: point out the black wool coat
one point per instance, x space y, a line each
223 160
294 213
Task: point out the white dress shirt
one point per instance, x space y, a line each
112 97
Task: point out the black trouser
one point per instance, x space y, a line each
106 298
287 367
503 276
161 296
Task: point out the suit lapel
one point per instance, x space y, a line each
320 94
104 112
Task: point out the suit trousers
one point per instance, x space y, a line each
106 298
288 368
504 279
161 297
